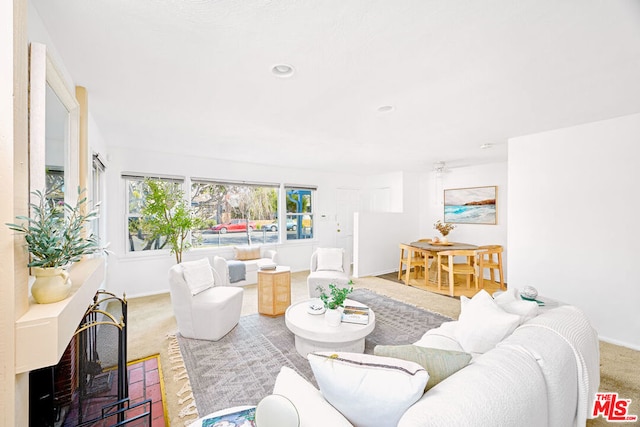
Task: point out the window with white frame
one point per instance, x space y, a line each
138 239
231 213
97 185
234 213
299 206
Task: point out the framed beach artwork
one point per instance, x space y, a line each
475 205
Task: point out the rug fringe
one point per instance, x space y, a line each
186 401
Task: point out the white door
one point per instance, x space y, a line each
347 203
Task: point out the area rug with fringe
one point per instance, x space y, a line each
241 368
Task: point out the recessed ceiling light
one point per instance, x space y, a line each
385 108
486 146
282 70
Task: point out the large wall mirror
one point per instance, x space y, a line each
53 130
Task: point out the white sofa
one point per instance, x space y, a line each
252 257
544 373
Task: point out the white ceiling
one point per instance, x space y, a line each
195 75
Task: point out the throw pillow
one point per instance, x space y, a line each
313 409
198 275
511 302
439 363
368 390
330 259
247 253
482 323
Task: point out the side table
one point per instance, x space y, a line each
274 291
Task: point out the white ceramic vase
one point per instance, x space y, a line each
444 239
52 284
333 317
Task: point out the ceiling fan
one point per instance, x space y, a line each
440 168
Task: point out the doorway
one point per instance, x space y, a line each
347 203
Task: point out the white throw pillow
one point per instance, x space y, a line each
198 275
511 302
482 323
329 259
313 409
370 391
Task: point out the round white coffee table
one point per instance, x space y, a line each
313 334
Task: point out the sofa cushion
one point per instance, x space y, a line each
252 265
503 387
482 323
330 259
369 390
244 253
198 275
313 409
442 337
439 363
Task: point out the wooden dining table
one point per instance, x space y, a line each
434 248
437 247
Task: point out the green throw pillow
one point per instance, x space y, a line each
438 363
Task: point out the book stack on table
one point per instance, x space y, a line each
353 314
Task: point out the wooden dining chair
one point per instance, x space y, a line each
428 255
468 268
490 256
412 258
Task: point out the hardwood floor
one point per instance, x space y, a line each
460 287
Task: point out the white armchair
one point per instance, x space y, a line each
328 265
204 308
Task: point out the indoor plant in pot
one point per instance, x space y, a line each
55 236
334 303
167 214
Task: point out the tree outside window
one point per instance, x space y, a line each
234 214
227 213
140 236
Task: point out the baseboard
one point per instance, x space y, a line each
620 343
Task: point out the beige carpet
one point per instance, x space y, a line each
151 323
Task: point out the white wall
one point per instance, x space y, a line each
377 234
376 239
573 231
432 205
384 193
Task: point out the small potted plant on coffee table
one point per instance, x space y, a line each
334 302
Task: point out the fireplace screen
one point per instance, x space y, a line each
89 386
102 397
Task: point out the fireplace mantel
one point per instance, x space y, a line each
44 331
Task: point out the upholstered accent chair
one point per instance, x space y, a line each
328 265
204 308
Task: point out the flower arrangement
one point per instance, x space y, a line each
443 228
336 296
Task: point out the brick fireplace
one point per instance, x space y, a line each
89 384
